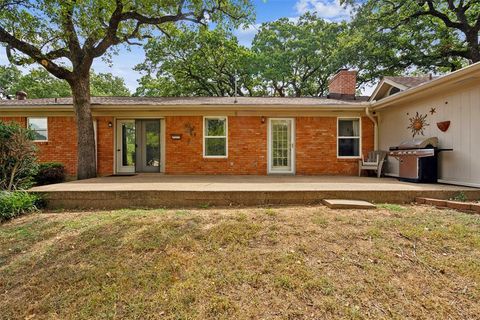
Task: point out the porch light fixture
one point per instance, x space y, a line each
110 124
263 119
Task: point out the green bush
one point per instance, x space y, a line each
50 172
17 157
13 204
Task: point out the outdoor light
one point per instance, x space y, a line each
263 119
110 124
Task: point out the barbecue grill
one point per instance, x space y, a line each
418 159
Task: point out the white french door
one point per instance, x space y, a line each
281 145
126 146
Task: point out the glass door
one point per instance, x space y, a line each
126 147
148 142
281 143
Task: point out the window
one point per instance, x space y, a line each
39 127
348 138
215 137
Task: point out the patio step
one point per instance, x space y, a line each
347 204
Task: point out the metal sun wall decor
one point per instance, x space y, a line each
418 123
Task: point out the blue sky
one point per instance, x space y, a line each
266 10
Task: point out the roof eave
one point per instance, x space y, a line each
444 80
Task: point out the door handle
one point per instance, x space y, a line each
119 150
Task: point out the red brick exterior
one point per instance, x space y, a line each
344 83
62 143
247 147
316 146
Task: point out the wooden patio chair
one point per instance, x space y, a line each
374 162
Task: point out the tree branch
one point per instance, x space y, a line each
46 60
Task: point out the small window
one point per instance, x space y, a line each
40 128
349 138
215 137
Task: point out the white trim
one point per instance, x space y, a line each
118 137
460 183
342 137
293 147
389 82
46 129
225 136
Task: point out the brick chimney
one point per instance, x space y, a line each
21 95
343 85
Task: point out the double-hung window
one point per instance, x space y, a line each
39 126
348 135
215 132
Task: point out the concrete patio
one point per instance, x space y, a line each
156 190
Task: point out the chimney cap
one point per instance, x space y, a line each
21 95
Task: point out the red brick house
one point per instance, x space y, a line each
207 135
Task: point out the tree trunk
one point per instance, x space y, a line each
86 159
473 46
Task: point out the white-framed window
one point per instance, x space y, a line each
349 137
39 126
215 141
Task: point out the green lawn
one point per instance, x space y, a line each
242 263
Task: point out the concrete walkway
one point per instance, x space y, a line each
156 190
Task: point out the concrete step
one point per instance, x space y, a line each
348 204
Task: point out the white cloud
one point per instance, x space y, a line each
246 34
327 9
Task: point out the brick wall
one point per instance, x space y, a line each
317 146
247 147
62 143
105 143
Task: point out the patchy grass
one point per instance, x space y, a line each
275 263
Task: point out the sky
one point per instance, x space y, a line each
266 10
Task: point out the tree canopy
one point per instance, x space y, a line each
192 63
427 34
287 58
38 83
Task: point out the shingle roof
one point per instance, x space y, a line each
410 82
186 101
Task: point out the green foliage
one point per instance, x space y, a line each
17 157
106 84
296 58
197 63
461 196
13 204
398 37
50 172
287 59
38 83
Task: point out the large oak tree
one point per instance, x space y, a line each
448 29
66 36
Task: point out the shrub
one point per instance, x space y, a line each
13 204
50 172
17 157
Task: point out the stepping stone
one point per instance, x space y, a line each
347 204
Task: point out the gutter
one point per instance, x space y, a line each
368 112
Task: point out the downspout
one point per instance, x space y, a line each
375 127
